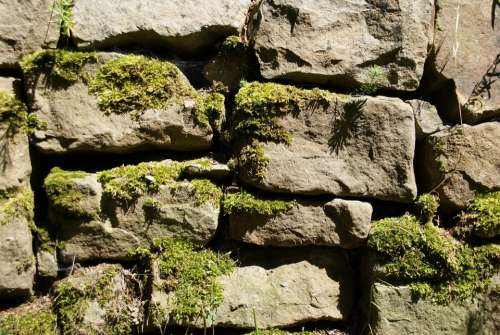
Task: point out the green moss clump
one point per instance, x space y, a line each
62 191
57 63
206 191
20 204
438 266
482 216
74 295
190 275
253 160
428 205
14 115
31 322
209 108
233 45
244 202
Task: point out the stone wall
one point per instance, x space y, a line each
250 167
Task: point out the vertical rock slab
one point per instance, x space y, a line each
337 42
184 27
26 25
467 59
460 163
427 120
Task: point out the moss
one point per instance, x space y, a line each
14 115
206 191
428 205
63 192
482 216
253 160
57 64
190 275
20 204
74 294
438 266
244 202
29 322
233 45
209 108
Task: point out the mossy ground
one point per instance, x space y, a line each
18 204
244 202
62 191
190 274
482 216
29 319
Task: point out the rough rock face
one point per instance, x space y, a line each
399 314
94 226
343 223
427 120
46 262
361 147
75 122
467 59
337 42
26 26
461 164
184 26
316 287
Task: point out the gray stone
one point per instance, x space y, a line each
26 26
339 222
427 120
186 26
46 262
8 84
75 123
397 313
456 163
337 42
214 170
109 229
362 147
467 60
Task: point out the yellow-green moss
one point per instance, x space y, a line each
62 191
233 46
435 264
482 216
253 160
428 205
73 296
191 275
244 202
57 64
30 322
209 108
18 204
14 115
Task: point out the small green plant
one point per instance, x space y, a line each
375 81
482 216
64 10
428 205
189 274
244 202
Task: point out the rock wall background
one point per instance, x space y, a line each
264 167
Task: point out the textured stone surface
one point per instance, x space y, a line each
75 123
362 147
398 314
110 229
459 164
17 262
314 286
46 263
26 26
183 26
468 55
427 120
337 42
343 223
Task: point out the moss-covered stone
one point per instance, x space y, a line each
244 202
253 160
57 64
30 319
14 116
18 204
434 263
482 216
189 276
233 45
64 194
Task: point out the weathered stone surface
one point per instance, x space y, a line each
8 84
467 59
26 26
459 164
17 262
75 123
107 229
427 120
343 223
214 170
314 286
362 147
337 42
397 313
46 263
182 26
